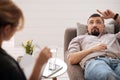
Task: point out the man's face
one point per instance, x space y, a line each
95 26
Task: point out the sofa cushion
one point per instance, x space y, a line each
82 28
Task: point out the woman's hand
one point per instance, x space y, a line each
42 58
44 55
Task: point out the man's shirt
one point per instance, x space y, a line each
83 42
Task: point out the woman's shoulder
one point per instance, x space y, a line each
9 66
6 59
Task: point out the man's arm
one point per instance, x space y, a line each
76 57
107 14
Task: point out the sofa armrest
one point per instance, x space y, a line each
75 72
69 34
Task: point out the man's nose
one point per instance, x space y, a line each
94 24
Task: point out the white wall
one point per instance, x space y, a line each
46 20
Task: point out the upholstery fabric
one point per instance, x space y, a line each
75 72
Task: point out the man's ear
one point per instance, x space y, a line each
104 25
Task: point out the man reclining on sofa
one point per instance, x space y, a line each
98 52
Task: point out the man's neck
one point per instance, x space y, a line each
97 35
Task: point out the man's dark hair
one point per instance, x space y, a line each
96 15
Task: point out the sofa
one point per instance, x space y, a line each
75 72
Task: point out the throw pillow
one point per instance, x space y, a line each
82 28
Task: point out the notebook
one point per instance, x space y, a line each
48 73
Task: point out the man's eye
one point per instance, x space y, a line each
91 23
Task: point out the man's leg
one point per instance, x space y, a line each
117 70
99 70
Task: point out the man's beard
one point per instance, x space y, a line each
95 31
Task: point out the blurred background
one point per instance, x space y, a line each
46 20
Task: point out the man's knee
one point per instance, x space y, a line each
107 75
